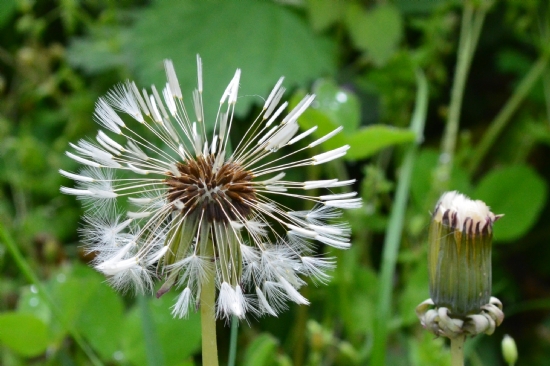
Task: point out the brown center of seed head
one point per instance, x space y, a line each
224 195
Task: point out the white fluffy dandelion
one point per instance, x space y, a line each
198 210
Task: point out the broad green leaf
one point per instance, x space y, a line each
324 13
264 39
72 293
313 117
100 51
377 31
101 324
333 107
419 6
519 193
369 140
261 351
26 334
77 291
179 338
30 303
341 106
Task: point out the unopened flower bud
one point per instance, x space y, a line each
509 350
459 254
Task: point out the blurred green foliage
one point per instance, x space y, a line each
360 58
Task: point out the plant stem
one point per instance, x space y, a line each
208 320
505 114
395 226
546 85
457 351
25 268
472 23
233 341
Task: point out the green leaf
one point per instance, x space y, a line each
265 39
179 338
419 6
324 13
377 31
99 52
101 324
72 293
24 333
333 107
341 106
519 193
7 8
30 302
77 291
370 140
261 351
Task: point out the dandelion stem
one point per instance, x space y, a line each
208 317
233 341
395 226
44 295
457 351
472 22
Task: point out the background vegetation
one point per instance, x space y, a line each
381 69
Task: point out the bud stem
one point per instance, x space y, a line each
457 351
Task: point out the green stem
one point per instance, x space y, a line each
504 116
457 92
153 350
233 341
472 23
44 295
546 85
395 226
457 351
208 320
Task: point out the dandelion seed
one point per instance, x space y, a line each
199 211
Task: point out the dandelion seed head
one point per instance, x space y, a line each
197 209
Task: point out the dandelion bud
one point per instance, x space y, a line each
509 350
459 254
